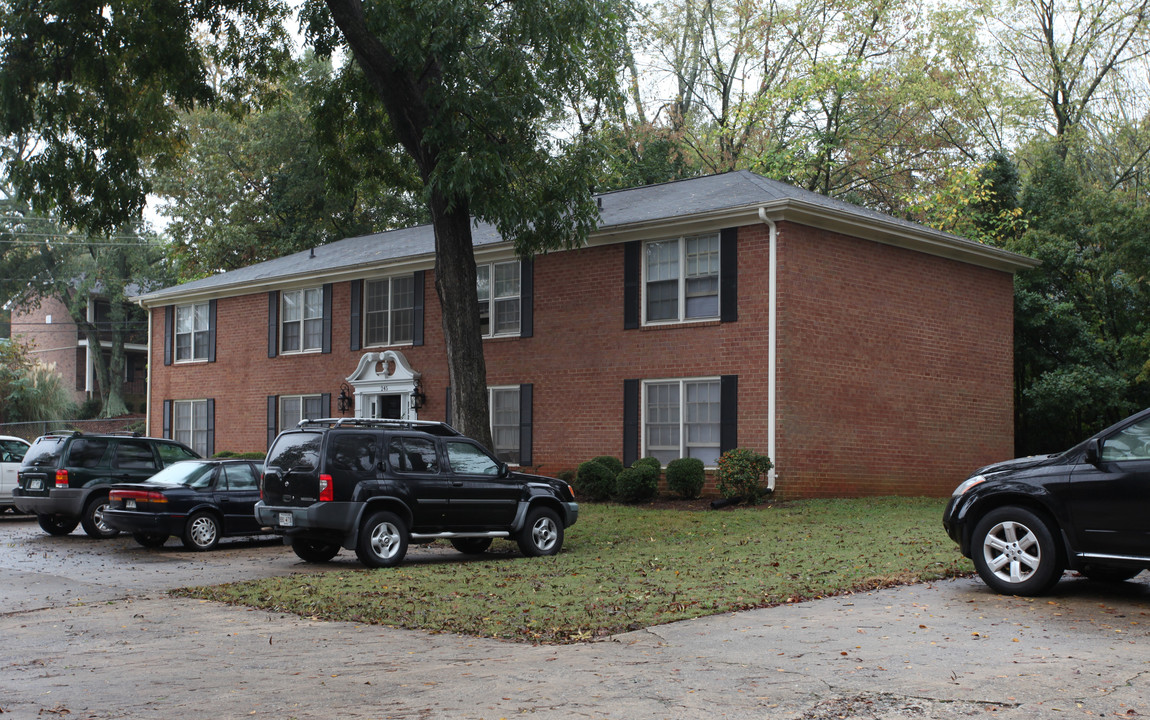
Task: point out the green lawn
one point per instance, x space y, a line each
624 568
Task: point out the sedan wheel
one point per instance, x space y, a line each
150 540
202 532
1014 552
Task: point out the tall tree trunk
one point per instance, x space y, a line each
455 285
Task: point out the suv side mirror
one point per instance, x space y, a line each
1094 452
504 470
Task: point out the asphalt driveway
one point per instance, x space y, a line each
86 632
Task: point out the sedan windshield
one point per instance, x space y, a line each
189 473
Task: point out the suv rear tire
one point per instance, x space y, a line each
57 524
93 518
542 534
471 545
382 540
1014 552
314 551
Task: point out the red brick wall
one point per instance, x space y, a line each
894 371
53 344
895 367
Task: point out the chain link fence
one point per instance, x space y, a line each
32 430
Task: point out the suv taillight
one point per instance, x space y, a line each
62 478
326 491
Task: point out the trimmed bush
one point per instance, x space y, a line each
233 455
685 477
653 463
594 481
636 483
615 465
740 474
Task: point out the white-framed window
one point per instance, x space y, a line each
504 403
681 418
190 424
192 329
499 300
681 279
388 311
294 408
301 320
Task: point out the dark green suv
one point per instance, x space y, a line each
65 477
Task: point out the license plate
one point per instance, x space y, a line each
130 504
286 520
35 484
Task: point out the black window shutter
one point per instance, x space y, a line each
273 322
630 422
326 318
211 427
632 255
211 331
728 275
728 412
166 420
356 308
417 307
325 403
525 391
271 419
169 325
526 298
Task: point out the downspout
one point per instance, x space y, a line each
771 357
148 384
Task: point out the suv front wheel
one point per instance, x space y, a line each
382 541
93 519
1014 552
542 534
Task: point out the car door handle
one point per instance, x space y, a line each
457 483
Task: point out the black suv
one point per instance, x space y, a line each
375 485
1024 521
65 477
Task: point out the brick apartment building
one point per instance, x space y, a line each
877 361
57 343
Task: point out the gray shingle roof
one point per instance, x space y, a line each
711 194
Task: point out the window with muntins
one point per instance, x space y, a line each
388 311
190 424
682 418
192 329
498 285
294 408
301 320
505 423
681 279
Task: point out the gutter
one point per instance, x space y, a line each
771 347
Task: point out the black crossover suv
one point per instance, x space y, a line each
374 485
1024 521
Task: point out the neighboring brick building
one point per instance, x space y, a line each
892 350
57 343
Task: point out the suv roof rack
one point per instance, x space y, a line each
429 426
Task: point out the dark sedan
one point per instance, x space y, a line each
1088 509
199 501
